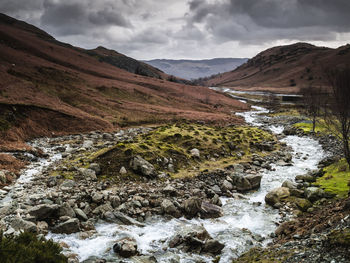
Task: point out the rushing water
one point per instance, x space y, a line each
245 223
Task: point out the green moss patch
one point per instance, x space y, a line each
340 238
264 256
218 147
336 179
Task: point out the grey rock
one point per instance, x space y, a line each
97 197
123 170
80 214
289 184
226 186
213 246
42 227
66 210
42 212
192 207
3 179
68 227
67 184
276 196
209 210
126 220
88 173
126 247
95 167
21 225
314 193
195 153
170 191
169 208
140 165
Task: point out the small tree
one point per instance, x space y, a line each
312 100
337 108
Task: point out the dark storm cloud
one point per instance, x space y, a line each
78 17
267 20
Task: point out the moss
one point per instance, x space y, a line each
340 238
336 179
27 248
268 255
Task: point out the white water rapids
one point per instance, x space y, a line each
246 222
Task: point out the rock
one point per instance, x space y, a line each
302 204
254 180
314 193
126 247
306 178
115 201
143 167
68 227
213 246
246 183
42 227
80 214
95 167
195 153
66 210
51 181
169 208
42 212
88 144
88 173
97 197
170 191
143 259
289 184
126 220
209 210
226 186
21 225
192 207
123 170
102 209
67 185
3 178
276 196
216 189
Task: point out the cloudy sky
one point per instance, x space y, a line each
193 29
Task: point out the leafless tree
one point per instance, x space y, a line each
312 101
337 108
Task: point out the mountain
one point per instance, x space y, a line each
194 69
285 68
50 88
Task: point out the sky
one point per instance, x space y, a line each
187 29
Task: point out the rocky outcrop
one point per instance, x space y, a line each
126 247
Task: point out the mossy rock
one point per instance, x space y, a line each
340 238
268 255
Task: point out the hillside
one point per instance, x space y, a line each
194 69
284 68
50 88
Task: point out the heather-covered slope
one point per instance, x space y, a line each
285 68
51 87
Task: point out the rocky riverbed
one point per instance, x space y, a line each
218 214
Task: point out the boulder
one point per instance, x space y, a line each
302 204
88 173
195 153
66 210
42 227
42 212
22 225
126 247
3 178
276 196
314 193
246 183
213 246
95 167
123 170
209 210
254 180
67 185
226 186
169 190
97 197
192 207
80 214
126 220
68 227
143 167
289 184
169 208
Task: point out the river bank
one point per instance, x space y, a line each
160 219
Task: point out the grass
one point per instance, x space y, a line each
336 179
320 127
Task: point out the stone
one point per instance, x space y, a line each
95 167
276 196
254 180
123 170
289 184
303 204
126 220
42 227
3 178
140 165
51 181
115 201
67 185
209 210
169 208
314 193
97 197
80 214
144 259
195 153
88 144
88 173
126 247
42 212
66 210
226 186
68 227
192 207
213 246
22 225
170 191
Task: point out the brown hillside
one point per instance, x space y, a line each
48 87
284 68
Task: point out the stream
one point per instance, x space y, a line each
246 222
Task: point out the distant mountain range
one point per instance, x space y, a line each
285 68
194 69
